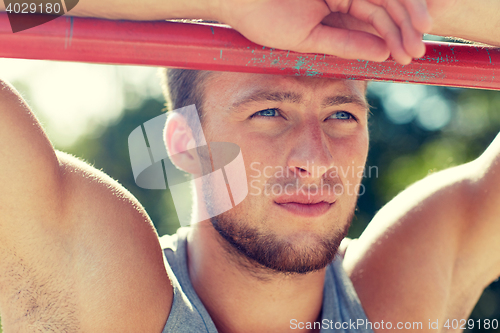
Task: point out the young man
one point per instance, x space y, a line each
79 253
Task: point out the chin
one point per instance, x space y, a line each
269 251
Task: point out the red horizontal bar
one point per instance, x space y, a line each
206 47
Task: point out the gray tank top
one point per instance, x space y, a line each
342 311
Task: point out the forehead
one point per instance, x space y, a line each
229 88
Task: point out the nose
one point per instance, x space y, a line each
310 156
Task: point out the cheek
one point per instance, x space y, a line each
255 148
351 154
362 144
259 160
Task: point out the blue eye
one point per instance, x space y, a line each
267 113
342 115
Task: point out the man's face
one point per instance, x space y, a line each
304 142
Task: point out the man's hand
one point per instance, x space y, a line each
360 29
354 29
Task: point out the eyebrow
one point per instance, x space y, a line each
263 96
292 97
344 99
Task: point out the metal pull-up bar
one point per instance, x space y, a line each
206 47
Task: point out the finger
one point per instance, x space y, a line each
385 26
349 44
420 17
412 38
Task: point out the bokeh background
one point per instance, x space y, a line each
89 111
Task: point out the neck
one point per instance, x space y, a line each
240 298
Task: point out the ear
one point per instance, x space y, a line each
181 144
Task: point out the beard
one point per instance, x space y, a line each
268 252
265 251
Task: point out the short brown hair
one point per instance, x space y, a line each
183 87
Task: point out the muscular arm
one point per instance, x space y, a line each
467 19
480 232
77 251
430 252
26 155
143 10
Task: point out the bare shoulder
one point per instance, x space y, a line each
344 245
97 268
404 265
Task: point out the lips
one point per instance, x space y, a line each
306 210
306 199
305 205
